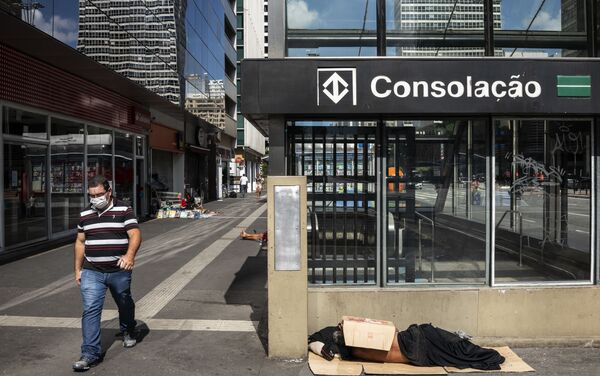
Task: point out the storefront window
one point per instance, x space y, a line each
25 214
66 173
24 123
543 200
139 146
124 167
99 149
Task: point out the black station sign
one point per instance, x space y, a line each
389 86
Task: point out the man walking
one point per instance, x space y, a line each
107 240
243 185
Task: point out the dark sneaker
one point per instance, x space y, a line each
84 363
129 339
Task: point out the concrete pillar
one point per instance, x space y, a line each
277 158
287 267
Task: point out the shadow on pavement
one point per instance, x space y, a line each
249 288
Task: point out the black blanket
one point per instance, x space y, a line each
426 345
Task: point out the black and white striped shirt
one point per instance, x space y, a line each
106 238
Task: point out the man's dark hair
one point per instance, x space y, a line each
99 180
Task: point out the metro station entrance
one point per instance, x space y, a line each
398 202
388 185
410 184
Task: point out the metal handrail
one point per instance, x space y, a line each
520 231
421 217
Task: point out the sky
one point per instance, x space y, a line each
515 14
60 17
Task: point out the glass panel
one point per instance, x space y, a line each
140 179
25 214
139 146
56 18
435 28
338 159
24 123
597 16
124 168
536 28
435 197
331 28
331 14
99 149
332 51
543 193
66 174
540 52
538 15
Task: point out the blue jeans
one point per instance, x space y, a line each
93 290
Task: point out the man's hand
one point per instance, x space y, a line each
126 262
78 277
327 353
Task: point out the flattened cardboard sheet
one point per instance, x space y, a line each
513 363
321 366
400 369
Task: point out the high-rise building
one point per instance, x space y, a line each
139 39
183 50
252 42
414 16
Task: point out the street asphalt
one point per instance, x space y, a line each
201 293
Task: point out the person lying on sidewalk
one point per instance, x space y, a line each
259 236
419 345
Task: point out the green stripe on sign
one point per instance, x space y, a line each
574 80
574 86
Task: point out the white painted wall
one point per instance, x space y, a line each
254 41
253 138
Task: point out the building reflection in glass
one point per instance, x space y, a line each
25 193
66 173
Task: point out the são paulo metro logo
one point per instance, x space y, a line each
335 85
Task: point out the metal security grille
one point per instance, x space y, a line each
340 165
400 204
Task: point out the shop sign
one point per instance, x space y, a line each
138 116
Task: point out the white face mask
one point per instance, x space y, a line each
99 203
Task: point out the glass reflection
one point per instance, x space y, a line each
124 168
66 174
163 45
25 214
99 152
351 22
56 18
436 195
435 28
538 15
543 209
332 14
24 123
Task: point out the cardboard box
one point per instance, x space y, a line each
368 333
